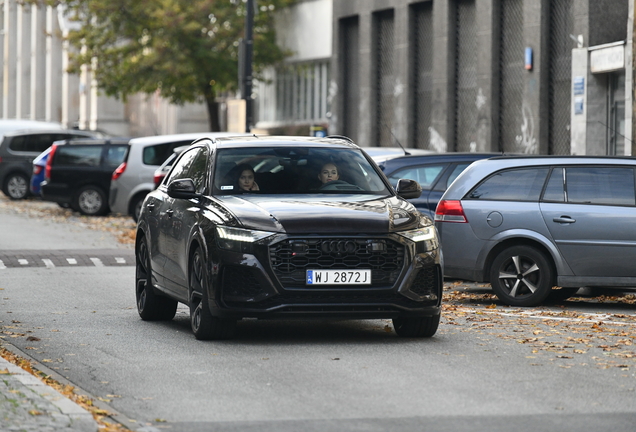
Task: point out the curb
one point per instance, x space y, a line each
54 409
48 395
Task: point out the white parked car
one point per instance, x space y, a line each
134 178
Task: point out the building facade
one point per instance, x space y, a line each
481 75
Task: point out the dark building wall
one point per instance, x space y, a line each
457 78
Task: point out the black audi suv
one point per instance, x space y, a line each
250 227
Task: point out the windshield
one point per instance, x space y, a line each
295 170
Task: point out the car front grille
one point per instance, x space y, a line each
291 258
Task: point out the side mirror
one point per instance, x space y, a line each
408 189
183 189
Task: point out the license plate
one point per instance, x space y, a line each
338 277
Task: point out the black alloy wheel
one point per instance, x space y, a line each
135 207
91 201
522 276
151 307
16 186
204 325
416 327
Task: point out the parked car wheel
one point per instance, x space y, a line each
135 206
16 186
150 306
416 327
521 276
204 325
91 201
561 294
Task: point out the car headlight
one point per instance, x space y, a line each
238 239
420 234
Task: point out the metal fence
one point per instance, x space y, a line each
561 44
465 77
422 73
384 50
349 63
513 130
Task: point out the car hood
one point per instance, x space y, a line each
328 214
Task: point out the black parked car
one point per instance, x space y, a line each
434 172
17 151
78 173
245 227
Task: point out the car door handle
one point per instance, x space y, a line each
564 219
169 212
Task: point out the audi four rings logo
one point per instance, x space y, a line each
339 246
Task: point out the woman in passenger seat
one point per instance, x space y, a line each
245 180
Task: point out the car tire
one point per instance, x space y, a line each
16 186
150 306
561 294
204 325
135 207
522 276
416 327
91 201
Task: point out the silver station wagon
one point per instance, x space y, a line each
530 224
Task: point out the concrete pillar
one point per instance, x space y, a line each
366 109
2 39
441 131
53 67
23 79
9 59
38 62
487 103
85 81
403 110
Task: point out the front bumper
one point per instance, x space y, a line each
269 282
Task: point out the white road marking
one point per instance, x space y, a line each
23 261
119 260
71 261
48 263
97 262
2 266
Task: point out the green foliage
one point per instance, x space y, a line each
185 49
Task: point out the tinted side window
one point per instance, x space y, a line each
600 185
37 143
78 155
181 169
198 170
456 172
424 175
512 185
115 155
157 154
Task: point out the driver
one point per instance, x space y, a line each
328 172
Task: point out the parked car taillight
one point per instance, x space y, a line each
450 211
49 161
37 169
158 178
119 171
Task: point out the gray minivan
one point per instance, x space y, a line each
528 224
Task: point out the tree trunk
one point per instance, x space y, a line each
213 113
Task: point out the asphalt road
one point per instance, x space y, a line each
489 368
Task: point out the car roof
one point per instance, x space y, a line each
161 139
9 125
408 160
48 131
283 141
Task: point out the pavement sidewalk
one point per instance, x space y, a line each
29 405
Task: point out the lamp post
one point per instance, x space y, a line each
247 62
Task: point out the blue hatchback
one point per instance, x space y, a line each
39 166
433 171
